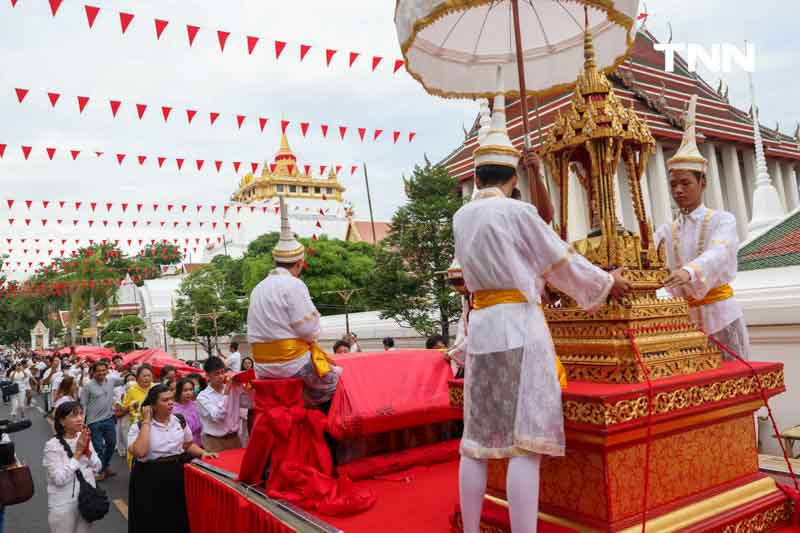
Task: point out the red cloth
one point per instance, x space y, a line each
380 465
158 359
291 438
92 353
794 496
384 391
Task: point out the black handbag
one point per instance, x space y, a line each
93 502
11 389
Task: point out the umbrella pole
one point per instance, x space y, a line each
545 211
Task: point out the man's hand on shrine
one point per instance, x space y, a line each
677 278
531 159
621 286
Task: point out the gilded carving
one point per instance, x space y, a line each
763 521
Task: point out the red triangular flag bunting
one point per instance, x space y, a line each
353 57
307 169
279 46
329 53
179 162
140 109
91 14
125 20
236 166
262 122
398 64
361 133
254 167
161 160
74 154
2 151
165 111
396 136
342 131
199 163
324 128
376 60
213 116
251 43
190 113
160 26
411 135
53 98
322 169
51 152
21 94
26 151
304 48
141 159
272 167
353 169
222 37
240 120
304 128
218 164
82 101
338 168
114 106
120 157
377 134
54 5
191 32
284 125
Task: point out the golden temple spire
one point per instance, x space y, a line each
588 47
284 148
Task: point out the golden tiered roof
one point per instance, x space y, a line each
284 176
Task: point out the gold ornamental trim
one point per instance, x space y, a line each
455 395
608 414
291 253
497 149
448 7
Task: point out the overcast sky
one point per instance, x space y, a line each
61 54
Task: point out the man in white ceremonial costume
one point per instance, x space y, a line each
512 395
701 246
283 325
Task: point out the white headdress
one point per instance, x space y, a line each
288 250
688 156
495 146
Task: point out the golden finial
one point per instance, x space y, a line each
588 45
284 149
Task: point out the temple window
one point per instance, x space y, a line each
305 189
279 188
292 188
329 190
317 190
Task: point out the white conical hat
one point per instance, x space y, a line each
288 250
495 146
688 156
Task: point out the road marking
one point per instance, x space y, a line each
122 507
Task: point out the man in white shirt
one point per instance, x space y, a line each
283 325
218 408
234 360
701 247
50 382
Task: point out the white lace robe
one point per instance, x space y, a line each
512 398
713 265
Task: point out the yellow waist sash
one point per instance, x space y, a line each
489 298
717 294
286 350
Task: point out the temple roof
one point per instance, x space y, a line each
778 247
659 98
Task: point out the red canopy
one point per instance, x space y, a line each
158 359
92 353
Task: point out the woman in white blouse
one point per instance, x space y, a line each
62 485
160 444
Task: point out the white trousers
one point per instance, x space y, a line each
18 405
65 519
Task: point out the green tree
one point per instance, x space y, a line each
123 333
407 284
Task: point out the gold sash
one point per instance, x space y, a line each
286 350
717 294
489 298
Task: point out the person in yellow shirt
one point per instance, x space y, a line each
133 398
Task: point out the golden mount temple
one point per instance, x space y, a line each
657 425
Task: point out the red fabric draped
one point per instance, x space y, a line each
380 465
291 438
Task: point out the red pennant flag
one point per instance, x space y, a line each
322 169
376 60
240 120
398 64
279 46
160 26
236 166
142 159
2 150
329 53
251 43
199 163
74 154
361 133
91 14
179 162
304 48
10 221
27 222
411 135
161 160
218 164
139 208
254 167
105 223
114 107
284 125
53 98
77 205
307 169
191 32
169 208
98 154
225 209
318 224
119 223
50 153
214 225
272 167
291 169
222 37
26 151
314 237
82 101
44 223
342 131
199 207
213 208
324 128
304 128
190 113
262 122
21 94
338 168
109 205
377 134
396 136
54 5
120 157
125 20
93 205
213 116
28 204
353 169
124 207
183 208
140 109
10 203
165 111
353 57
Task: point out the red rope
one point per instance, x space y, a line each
630 334
730 352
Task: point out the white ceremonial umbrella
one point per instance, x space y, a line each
453 47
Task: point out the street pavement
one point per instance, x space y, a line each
31 516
